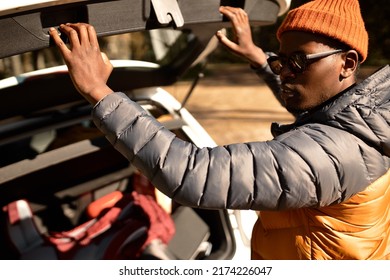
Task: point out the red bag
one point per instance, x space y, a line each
121 231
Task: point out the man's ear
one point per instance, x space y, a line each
350 64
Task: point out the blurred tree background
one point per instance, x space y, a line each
376 15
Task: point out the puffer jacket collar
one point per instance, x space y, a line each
365 104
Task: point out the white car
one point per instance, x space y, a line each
48 196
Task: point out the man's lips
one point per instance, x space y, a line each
288 93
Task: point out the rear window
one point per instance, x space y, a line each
161 46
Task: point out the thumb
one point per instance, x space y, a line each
221 34
107 63
226 41
106 60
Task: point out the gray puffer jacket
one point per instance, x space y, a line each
325 157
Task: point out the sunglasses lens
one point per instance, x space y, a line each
275 64
297 63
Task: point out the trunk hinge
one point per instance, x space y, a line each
168 11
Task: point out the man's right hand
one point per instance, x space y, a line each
88 67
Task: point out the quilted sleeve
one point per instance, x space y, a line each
273 175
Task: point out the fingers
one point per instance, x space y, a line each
72 34
92 36
88 68
83 34
86 34
242 43
241 29
78 34
58 41
235 15
240 21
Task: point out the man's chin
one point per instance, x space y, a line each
294 111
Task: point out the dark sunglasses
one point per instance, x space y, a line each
297 62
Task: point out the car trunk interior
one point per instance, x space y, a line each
61 175
54 157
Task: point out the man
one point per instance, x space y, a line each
321 185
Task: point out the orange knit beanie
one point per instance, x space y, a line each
337 19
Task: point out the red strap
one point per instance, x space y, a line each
13 213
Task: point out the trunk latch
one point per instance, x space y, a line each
168 11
